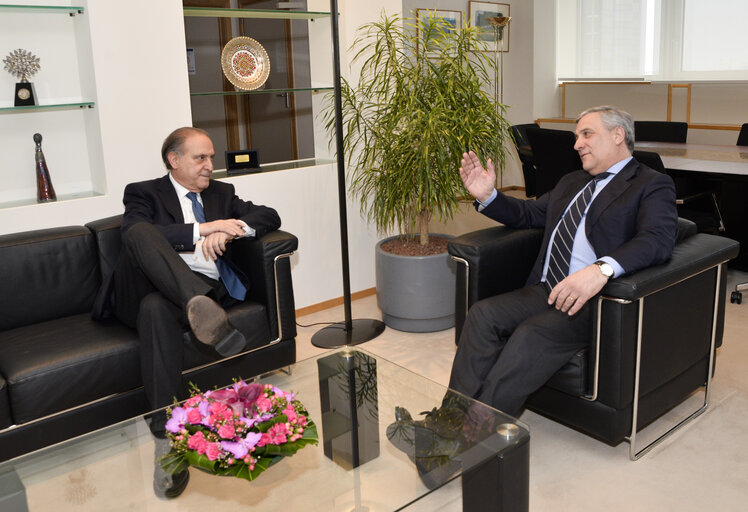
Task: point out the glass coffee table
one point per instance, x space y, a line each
370 457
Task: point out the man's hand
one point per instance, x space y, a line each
479 181
573 292
214 245
232 227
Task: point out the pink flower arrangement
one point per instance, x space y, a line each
240 430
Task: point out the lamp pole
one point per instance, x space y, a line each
348 332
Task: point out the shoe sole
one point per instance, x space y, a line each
210 325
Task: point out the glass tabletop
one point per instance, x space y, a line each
377 449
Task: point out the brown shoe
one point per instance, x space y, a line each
210 325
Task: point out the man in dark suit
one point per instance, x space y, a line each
614 217
175 271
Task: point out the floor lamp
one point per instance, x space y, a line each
349 332
498 23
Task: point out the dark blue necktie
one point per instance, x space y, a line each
228 276
559 259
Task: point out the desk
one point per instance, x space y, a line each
722 169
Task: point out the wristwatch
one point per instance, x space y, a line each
605 269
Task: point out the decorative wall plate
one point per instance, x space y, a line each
245 63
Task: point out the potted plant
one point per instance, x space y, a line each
420 102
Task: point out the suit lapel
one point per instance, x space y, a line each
169 199
211 204
569 189
612 190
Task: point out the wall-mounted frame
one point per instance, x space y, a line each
452 19
479 14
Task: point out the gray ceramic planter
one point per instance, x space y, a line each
416 293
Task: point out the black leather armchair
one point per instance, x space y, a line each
63 374
655 331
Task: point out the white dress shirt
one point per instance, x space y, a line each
197 260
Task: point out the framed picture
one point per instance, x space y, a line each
453 19
479 14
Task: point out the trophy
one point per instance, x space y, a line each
22 64
44 190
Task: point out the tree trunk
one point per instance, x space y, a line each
423 224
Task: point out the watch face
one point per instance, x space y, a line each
24 93
606 269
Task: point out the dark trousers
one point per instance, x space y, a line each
511 344
152 287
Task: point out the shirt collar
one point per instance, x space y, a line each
180 189
617 167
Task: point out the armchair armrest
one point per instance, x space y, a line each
266 262
691 256
494 260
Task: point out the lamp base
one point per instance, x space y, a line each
335 335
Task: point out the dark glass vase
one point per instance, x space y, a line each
44 190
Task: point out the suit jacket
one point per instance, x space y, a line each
633 219
156 202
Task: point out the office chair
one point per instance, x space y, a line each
700 208
519 131
660 131
743 135
554 155
737 296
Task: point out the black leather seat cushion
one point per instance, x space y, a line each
46 373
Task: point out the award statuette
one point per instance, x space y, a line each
44 190
22 64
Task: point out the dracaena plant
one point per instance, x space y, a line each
423 98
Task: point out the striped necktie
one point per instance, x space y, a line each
234 286
560 256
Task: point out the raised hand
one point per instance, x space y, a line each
480 182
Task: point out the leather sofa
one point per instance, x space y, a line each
654 335
63 374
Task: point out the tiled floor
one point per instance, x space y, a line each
702 467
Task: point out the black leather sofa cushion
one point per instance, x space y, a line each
104 359
55 270
5 419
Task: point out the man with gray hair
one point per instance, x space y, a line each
614 217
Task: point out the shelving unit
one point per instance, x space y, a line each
58 34
308 97
209 12
41 108
49 9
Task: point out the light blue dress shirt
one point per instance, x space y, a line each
582 253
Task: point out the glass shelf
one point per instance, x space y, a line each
60 197
210 12
276 166
38 108
260 91
64 9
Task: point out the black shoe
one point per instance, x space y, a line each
433 448
210 325
167 485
